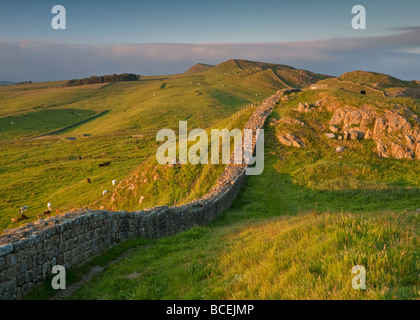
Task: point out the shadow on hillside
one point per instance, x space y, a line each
275 194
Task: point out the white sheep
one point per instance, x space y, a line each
23 209
114 182
104 192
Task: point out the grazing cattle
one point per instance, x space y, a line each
20 218
47 212
363 92
88 180
105 164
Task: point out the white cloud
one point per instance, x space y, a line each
411 50
395 54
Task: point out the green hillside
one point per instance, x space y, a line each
55 169
294 232
377 80
199 67
287 75
373 83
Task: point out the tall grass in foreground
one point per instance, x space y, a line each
309 256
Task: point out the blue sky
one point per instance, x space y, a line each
94 25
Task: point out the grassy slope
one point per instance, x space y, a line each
301 257
335 83
156 185
379 79
162 185
358 173
199 67
35 172
375 84
275 243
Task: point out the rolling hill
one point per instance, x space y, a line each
372 83
199 67
54 169
377 80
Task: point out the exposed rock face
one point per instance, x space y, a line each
418 151
349 117
394 135
304 107
354 134
291 140
334 129
330 135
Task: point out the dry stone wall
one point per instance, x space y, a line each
27 254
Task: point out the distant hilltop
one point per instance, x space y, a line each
199 67
282 75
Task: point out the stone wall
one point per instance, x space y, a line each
27 254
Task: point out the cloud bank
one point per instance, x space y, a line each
397 54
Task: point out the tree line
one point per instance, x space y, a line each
104 79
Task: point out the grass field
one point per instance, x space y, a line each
34 172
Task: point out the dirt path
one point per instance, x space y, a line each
94 270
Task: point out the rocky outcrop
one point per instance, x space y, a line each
330 135
333 129
290 140
304 107
395 130
352 118
392 131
